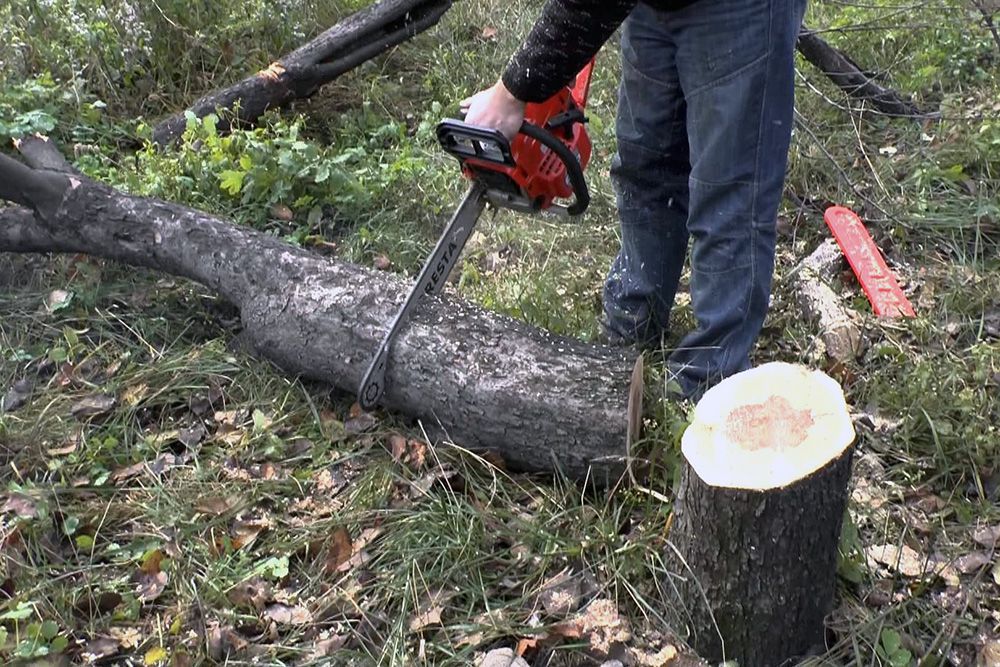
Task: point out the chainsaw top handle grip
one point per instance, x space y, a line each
574 170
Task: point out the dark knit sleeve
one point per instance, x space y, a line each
565 37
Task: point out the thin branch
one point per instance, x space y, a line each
801 122
988 20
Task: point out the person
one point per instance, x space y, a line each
704 120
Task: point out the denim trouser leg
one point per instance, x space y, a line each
650 174
731 63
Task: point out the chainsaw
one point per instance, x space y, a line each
533 173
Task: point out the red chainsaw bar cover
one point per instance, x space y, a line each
866 261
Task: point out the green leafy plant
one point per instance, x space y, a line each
890 648
34 639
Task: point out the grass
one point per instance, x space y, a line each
219 509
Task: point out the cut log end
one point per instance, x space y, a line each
758 512
767 428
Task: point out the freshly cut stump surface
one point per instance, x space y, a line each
753 548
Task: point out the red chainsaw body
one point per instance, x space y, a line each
537 172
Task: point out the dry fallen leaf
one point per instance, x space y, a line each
151 586
397 446
284 615
600 623
422 486
253 594
98 649
408 451
21 505
360 556
218 504
426 619
561 594
134 394
988 536
157 466
128 472
909 563
17 396
266 471
57 300
245 531
192 437
129 637
361 423
904 560
989 654
65 449
972 562
223 641
525 644
663 658
326 647
181 659
93 406
282 212
329 481
339 551
95 604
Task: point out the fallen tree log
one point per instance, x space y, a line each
847 76
299 74
753 548
487 382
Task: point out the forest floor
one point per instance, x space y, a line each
167 499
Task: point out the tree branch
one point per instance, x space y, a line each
23 185
846 75
39 152
356 39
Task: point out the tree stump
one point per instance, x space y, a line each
752 553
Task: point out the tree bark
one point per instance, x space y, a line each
299 74
486 382
753 547
846 75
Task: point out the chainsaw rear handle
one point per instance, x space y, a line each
574 170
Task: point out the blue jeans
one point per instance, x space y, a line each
704 123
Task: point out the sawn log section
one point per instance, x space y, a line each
542 402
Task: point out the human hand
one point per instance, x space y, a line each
495 108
